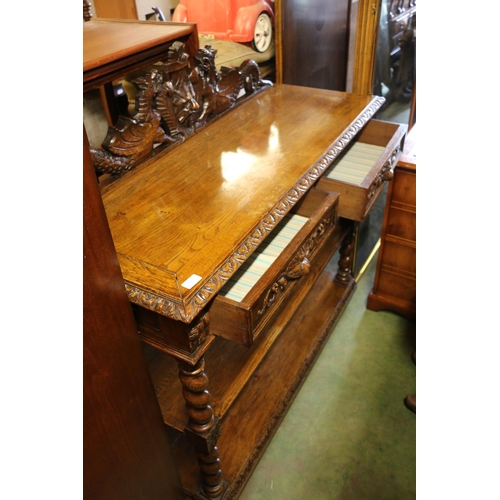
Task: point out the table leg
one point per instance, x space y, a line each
344 272
203 427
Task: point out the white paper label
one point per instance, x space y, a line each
191 281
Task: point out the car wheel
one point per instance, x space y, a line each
263 33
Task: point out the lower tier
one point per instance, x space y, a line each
254 416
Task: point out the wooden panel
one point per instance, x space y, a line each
126 451
405 285
400 256
402 223
314 43
405 189
115 9
113 48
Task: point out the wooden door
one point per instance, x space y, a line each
115 9
315 43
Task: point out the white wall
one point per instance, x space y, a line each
144 7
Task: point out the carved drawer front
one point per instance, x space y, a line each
258 290
360 171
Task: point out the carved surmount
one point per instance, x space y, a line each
131 140
299 266
174 100
386 173
187 312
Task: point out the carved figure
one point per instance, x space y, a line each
173 101
220 90
131 140
177 101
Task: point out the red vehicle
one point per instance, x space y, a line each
234 20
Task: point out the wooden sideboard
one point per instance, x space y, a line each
261 196
395 283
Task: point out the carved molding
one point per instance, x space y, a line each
299 266
186 312
386 173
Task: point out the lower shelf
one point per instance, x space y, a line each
256 413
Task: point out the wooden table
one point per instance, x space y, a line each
189 220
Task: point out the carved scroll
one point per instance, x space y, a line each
386 173
173 101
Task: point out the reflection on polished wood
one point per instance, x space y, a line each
172 224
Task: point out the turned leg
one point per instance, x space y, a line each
203 427
344 272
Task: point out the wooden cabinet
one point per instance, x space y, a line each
395 279
237 195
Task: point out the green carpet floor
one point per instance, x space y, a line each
348 434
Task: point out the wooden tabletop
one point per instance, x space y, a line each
111 44
183 223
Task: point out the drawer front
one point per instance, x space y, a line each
402 224
398 285
399 256
360 171
241 316
405 188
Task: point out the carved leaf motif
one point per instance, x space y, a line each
299 266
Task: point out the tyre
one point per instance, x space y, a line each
263 33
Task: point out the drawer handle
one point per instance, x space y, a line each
299 266
386 173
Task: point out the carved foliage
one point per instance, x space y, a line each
386 173
299 266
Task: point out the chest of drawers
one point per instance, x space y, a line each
395 283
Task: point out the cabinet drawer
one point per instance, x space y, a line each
360 171
257 291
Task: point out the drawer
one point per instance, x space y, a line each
360 171
258 290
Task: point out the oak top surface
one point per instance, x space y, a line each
105 41
186 213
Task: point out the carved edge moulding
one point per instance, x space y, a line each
187 311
